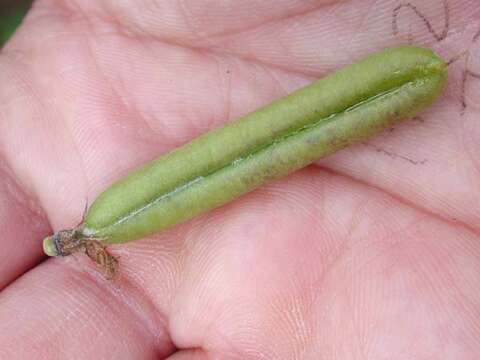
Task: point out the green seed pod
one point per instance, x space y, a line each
350 105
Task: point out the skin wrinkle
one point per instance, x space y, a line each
276 80
228 97
307 309
81 164
329 268
352 38
356 219
221 64
210 331
404 201
23 184
360 25
356 330
295 325
201 50
124 294
23 199
225 85
193 354
440 297
393 245
120 94
476 36
238 31
81 274
30 200
114 90
466 303
308 75
187 17
204 52
140 34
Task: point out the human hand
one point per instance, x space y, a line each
372 253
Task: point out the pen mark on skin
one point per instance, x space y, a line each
476 36
417 118
463 92
438 36
393 155
472 74
457 57
466 74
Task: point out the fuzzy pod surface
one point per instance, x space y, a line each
349 105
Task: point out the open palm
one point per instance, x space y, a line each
373 253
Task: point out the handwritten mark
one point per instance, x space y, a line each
476 36
393 155
417 118
466 75
438 36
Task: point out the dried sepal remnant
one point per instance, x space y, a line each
96 251
68 242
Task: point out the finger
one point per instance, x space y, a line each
22 223
22 220
72 314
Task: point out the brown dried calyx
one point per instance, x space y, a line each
67 242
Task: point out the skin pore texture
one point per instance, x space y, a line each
370 253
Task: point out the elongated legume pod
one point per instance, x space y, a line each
350 105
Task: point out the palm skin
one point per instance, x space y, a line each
373 253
